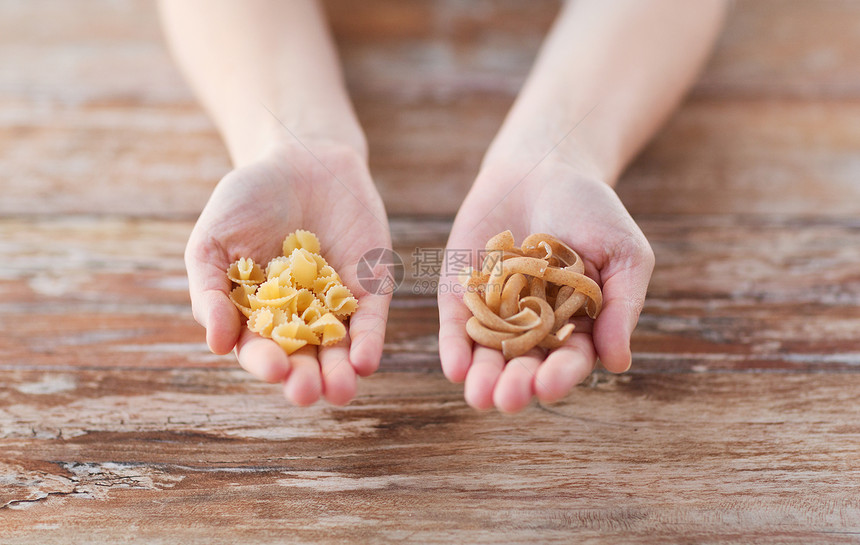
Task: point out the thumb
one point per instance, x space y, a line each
209 289
623 297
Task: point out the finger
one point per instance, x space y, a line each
455 346
515 386
487 365
623 299
224 322
564 368
304 384
262 357
339 381
367 332
209 288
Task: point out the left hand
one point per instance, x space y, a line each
561 200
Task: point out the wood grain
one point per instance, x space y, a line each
629 459
738 422
794 48
737 292
95 129
750 157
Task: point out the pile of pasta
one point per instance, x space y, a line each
524 296
297 300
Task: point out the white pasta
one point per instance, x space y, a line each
298 329
339 300
281 335
304 299
301 239
245 271
271 294
323 283
277 267
303 268
314 311
239 297
331 329
298 300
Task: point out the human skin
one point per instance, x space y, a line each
267 73
607 76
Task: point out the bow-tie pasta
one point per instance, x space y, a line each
245 272
297 300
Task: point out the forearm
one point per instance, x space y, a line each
260 65
614 70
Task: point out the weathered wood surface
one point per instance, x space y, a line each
207 456
737 423
729 293
94 118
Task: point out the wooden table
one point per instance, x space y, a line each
739 421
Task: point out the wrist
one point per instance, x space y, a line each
558 117
313 151
532 146
252 137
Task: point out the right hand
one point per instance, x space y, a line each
329 192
